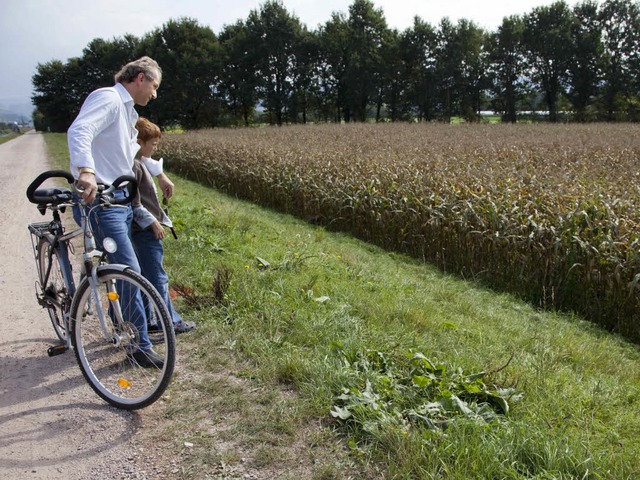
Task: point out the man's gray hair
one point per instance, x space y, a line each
131 70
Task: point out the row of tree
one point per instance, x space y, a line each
581 62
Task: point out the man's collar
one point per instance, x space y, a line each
124 93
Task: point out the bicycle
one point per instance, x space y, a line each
94 315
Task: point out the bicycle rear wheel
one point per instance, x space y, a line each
56 297
104 350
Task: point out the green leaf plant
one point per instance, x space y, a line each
418 393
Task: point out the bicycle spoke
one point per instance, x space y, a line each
109 352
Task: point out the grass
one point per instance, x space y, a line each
6 138
272 296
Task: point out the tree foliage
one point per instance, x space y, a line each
189 55
580 63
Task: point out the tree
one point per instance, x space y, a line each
547 37
471 76
353 65
395 80
275 36
238 83
57 95
446 69
190 58
621 30
101 59
367 30
418 50
508 66
461 65
60 89
585 69
332 68
305 86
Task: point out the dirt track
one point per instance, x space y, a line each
52 425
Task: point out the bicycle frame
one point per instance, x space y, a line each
53 233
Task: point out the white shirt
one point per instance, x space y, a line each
154 166
103 136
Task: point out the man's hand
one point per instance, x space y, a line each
166 185
158 230
87 184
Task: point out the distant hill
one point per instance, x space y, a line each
16 112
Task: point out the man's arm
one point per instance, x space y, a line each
156 169
166 185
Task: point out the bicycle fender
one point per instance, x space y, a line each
118 267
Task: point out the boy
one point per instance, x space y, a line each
149 220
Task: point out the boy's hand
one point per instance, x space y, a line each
158 230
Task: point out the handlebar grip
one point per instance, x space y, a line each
40 179
132 189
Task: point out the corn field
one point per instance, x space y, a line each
548 212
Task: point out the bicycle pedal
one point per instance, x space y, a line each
56 350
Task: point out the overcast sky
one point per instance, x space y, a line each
38 31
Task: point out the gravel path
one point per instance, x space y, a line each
52 425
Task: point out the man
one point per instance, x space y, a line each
102 146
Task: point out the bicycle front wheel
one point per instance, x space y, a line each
56 297
105 332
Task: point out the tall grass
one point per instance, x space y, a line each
545 211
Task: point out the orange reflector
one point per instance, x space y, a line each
113 296
124 383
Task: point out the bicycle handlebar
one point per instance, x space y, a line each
132 189
49 195
58 195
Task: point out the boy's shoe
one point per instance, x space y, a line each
156 335
183 327
147 359
156 338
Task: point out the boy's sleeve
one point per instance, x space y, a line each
142 216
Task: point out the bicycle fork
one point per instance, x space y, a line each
119 333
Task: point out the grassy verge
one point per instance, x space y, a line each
6 138
290 316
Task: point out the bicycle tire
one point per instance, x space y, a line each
106 361
56 297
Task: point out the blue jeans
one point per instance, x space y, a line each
115 222
150 255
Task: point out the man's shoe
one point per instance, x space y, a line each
147 359
183 327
